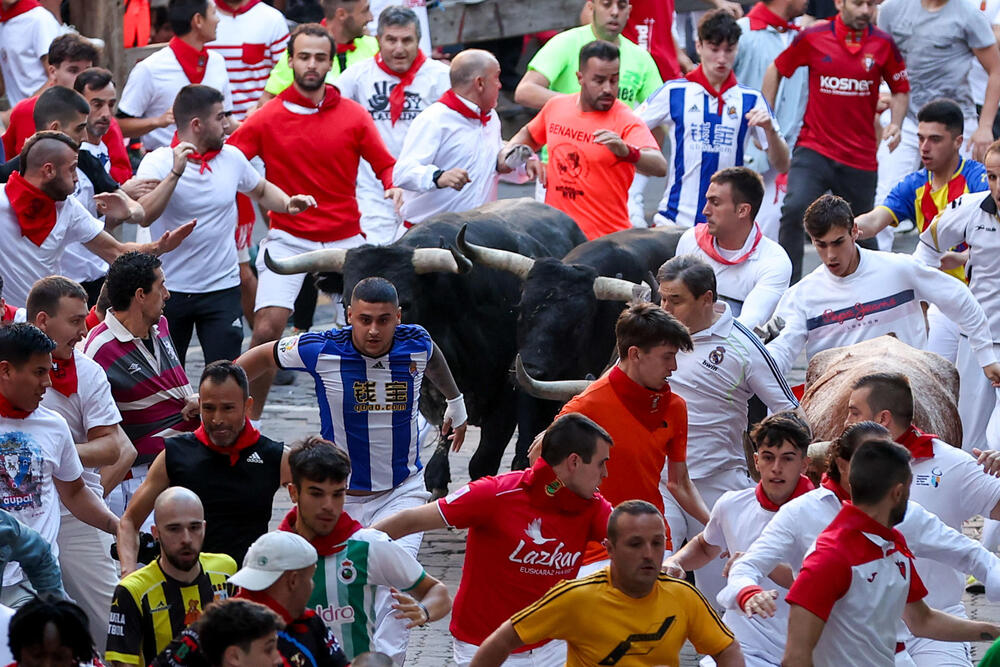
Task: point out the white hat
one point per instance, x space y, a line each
270 556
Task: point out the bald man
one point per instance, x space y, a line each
153 604
38 218
449 158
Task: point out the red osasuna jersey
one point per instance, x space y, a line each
839 121
527 533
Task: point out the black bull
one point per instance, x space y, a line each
470 311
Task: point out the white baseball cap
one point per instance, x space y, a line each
270 556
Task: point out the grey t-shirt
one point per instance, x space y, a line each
937 47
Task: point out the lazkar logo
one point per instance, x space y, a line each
538 552
842 85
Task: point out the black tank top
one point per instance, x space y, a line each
237 499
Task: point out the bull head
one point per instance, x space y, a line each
551 390
425 260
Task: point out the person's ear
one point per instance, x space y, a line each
232 656
293 493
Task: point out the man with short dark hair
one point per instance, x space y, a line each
596 146
239 633
527 531
48 628
233 469
751 270
627 608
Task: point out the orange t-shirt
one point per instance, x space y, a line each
638 454
586 180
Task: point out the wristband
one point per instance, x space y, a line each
456 411
746 593
436 176
176 174
427 614
633 154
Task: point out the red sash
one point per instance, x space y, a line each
920 444
9 410
18 9
331 98
198 158
851 38
242 9
247 438
647 406
761 17
325 545
63 376
804 485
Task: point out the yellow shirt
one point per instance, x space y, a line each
603 626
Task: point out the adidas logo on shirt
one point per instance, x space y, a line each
378 364
254 458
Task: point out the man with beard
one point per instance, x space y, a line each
232 468
310 124
596 146
153 605
205 275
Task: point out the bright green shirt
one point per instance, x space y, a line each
365 46
559 60
992 657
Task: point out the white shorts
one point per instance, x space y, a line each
550 654
274 289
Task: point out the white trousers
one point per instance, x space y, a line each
89 574
942 334
550 654
976 397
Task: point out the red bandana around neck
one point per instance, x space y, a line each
545 488
63 376
260 597
453 102
325 545
697 75
344 48
18 9
331 97
398 95
242 9
956 188
920 444
707 243
850 37
247 438
827 483
761 17
35 210
647 406
8 313
804 485
192 62
9 410
202 159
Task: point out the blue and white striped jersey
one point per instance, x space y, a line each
368 406
705 135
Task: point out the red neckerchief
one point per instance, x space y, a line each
850 37
707 243
452 101
956 188
63 375
243 9
853 518
545 489
201 158
192 62
11 411
647 406
398 95
920 444
325 545
697 75
804 485
761 17
247 438
92 319
9 313
260 597
331 98
344 48
827 483
18 9
35 210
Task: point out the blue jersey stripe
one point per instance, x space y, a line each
709 160
399 368
677 115
771 363
356 424
749 101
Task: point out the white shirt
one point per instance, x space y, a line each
207 260
91 406
728 365
368 85
24 41
419 8
33 451
753 287
701 140
22 262
154 83
251 44
977 75
440 138
77 262
882 296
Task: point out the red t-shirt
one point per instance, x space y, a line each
649 25
316 154
839 120
524 537
586 180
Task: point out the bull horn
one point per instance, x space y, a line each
557 390
439 260
331 259
503 260
616 289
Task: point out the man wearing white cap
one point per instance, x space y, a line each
277 573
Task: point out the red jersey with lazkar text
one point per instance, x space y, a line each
845 70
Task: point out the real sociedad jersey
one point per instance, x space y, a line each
368 406
706 134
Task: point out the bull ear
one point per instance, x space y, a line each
439 260
559 390
493 258
615 289
330 259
